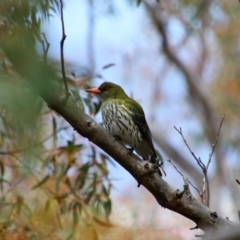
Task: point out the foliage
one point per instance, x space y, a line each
52 181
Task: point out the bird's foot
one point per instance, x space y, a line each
150 168
160 168
130 150
157 164
117 138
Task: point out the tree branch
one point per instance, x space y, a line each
165 194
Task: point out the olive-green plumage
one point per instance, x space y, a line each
124 118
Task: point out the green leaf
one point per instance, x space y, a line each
108 66
89 196
68 182
107 205
2 168
75 216
97 107
77 97
102 223
40 183
80 181
84 168
104 190
63 208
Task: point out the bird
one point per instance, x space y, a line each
125 120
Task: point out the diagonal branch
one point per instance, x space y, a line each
215 143
165 194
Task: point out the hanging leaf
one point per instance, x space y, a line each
40 183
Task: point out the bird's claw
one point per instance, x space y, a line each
117 138
130 150
150 168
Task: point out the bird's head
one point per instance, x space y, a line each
107 91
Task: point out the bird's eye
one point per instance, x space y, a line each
106 88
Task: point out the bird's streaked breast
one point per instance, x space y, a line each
118 121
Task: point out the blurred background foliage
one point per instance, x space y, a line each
50 185
54 184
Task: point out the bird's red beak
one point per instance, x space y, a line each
94 90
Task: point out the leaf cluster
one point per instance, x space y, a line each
49 175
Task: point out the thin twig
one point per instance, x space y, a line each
179 158
206 187
45 45
184 177
62 53
214 145
199 161
205 169
108 66
238 181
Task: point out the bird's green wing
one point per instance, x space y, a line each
139 118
